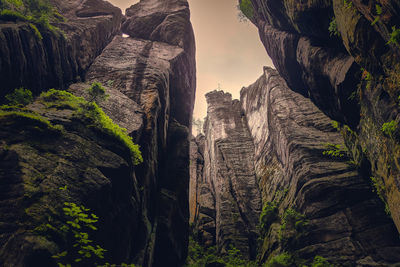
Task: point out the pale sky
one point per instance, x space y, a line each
228 52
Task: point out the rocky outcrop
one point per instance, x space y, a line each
58 58
351 75
151 88
314 204
228 197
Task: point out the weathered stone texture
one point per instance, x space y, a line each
351 75
229 201
56 61
347 224
151 88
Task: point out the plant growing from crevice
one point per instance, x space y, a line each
20 96
293 226
247 9
333 31
378 9
38 13
389 128
394 37
268 215
334 150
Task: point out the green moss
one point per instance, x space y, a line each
24 118
38 12
268 215
378 13
389 128
293 226
93 115
199 256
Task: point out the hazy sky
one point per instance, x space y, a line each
228 52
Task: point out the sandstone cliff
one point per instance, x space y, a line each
143 210
344 56
334 211
228 198
56 58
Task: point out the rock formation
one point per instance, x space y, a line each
329 188
350 72
345 220
143 210
228 197
58 58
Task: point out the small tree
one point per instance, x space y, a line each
97 93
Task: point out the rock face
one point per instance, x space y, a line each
56 60
351 75
344 221
228 196
151 88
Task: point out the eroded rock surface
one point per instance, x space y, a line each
352 75
151 88
229 200
344 220
57 59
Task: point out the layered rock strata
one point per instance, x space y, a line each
151 88
344 56
57 59
229 200
344 221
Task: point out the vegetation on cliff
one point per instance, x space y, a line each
38 13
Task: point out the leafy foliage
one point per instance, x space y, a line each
79 221
333 28
199 256
246 7
378 13
282 260
20 96
389 128
29 119
334 150
347 4
97 93
293 226
394 36
321 262
38 12
268 215
336 125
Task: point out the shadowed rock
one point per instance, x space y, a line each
346 222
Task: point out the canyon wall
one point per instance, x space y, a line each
150 79
344 56
228 198
338 216
324 126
